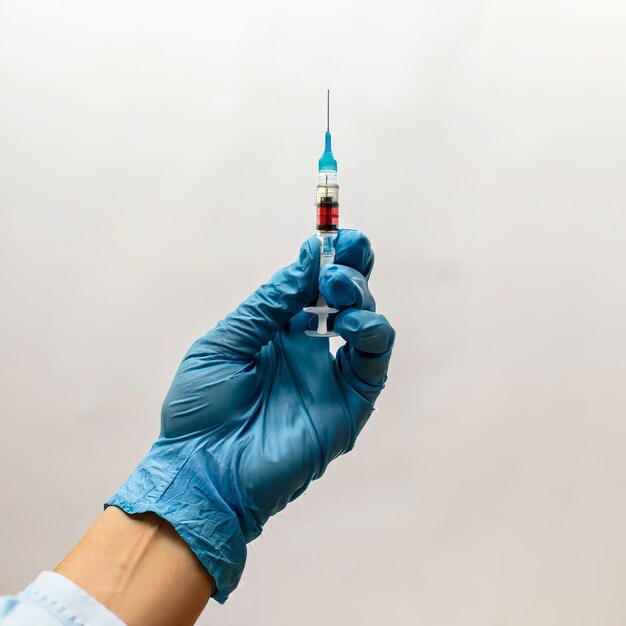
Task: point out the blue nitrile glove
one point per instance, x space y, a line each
257 409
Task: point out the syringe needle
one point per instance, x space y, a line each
327 110
327 203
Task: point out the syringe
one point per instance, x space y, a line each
327 203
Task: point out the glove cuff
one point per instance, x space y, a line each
184 495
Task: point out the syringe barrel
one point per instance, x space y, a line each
327 201
327 251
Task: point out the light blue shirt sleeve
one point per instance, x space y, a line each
53 600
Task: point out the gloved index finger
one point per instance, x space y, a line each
353 249
258 318
343 287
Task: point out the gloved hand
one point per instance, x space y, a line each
257 409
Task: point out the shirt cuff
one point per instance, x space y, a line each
67 602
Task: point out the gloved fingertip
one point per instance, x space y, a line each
366 331
344 287
382 339
353 248
336 288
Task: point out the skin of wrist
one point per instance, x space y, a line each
140 569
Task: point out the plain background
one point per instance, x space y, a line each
158 162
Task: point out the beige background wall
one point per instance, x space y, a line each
157 162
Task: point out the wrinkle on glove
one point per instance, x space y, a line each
257 410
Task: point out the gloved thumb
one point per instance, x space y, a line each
258 318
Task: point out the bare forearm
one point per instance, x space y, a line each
140 568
